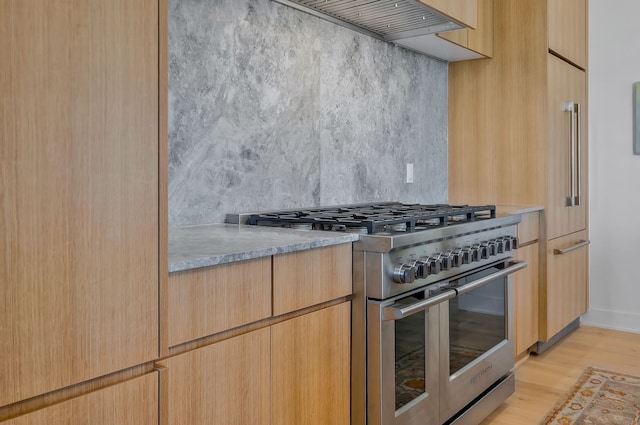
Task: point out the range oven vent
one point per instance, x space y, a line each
384 19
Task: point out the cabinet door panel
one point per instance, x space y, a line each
226 383
480 40
78 191
566 83
133 402
526 299
529 228
568 30
305 278
205 301
465 11
311 365
564 295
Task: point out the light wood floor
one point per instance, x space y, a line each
543 381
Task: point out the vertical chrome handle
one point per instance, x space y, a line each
579 155
570 107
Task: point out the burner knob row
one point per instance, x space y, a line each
434 264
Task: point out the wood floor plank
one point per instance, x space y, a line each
543 381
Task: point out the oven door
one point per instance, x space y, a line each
402 359
476 334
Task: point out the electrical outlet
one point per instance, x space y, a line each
409 173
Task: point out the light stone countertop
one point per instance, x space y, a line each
517 209
208 245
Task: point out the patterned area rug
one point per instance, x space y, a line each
600 397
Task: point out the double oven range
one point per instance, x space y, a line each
432 320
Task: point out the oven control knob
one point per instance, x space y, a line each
491 247
433 263
404 273
485 252
508 244
456 258
452 257
514 242
421 268
475 253
500 245
466 255
445 261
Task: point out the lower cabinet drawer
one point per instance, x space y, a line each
133 402
564 296
226 383
311 368
526 290
296 371
306 278
205 301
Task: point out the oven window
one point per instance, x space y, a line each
410 357
477 322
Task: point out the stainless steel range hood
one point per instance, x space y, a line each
408 23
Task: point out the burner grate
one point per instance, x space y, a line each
377 218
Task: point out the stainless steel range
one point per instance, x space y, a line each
432 320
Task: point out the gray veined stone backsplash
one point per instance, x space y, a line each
272 108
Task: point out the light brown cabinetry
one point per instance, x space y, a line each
305 278
526 286
311 368
511 140
464 11
241 362
565 295
480 38
526 299
79 198
206 301
133 402
568 30
226 383
566 146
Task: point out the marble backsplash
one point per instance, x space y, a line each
272 108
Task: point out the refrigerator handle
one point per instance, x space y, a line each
571 107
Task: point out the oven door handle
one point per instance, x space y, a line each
513 267
400 311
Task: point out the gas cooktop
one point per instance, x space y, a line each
375 218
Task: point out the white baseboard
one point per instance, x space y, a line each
616 320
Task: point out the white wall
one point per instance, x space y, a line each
614 65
